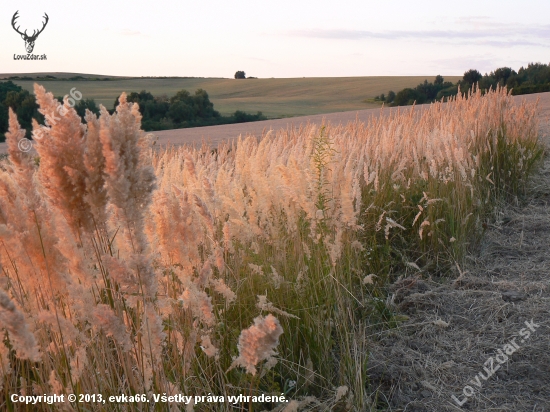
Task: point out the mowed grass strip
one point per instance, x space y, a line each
275 98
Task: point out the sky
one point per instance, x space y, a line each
283 38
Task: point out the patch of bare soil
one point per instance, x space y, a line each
454 342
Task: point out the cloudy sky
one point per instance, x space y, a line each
282 38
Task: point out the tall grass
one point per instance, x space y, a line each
255 268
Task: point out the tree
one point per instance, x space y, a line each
86 104
240 75
391 96
241 117
448 90
488 82
406 97
472 76
180 112
502 74
439 80
426 91
205 108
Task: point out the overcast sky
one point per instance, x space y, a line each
282 38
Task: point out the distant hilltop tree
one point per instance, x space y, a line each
240 75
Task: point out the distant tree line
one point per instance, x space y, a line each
183 110
423 93
159 113
535 78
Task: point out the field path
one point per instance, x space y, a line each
457 325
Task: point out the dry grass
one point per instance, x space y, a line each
148 272
273 97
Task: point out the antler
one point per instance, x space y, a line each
15 16
45 23
35 35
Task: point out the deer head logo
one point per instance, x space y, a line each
29 40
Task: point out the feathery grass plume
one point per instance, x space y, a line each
56 387
13 321
258 343
204 275
276 278
79 362
221 287
341 392
22 164
256 269
30 246
208 347
61 148
74 250
227 242
205 213
146 274
57 323
104 317
199 303
24 212
129 181
94 162
218 258
119 271
264 304
295 406
170 226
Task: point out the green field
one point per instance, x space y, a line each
274 97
